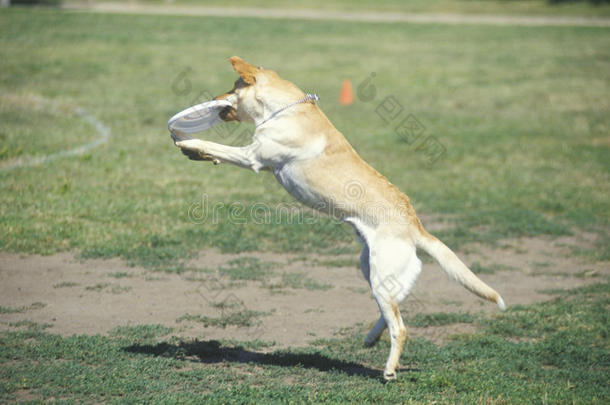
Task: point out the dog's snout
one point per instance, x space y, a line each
228 114
222 96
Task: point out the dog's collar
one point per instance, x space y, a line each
307 97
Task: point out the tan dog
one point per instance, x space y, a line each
314 162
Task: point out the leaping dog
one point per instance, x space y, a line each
314 162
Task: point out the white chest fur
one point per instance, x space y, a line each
287 156
291 177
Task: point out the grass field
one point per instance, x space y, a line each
529 355
521 112
522 117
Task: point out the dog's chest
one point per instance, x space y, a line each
291 176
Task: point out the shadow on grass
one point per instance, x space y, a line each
212 351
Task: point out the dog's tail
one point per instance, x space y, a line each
455 269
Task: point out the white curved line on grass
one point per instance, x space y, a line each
102 130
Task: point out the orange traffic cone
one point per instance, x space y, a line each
346 97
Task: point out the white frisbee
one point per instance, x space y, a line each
197 118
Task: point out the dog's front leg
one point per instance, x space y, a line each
243 156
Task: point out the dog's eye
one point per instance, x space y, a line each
259 67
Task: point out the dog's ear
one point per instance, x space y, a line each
245 70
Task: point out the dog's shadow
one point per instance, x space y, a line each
212 351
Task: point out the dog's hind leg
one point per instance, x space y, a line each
375 333
373 336
394 268
398 333
365 265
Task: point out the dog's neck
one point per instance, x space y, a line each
277 111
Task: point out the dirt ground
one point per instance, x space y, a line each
95 296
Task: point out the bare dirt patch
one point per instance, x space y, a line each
95 296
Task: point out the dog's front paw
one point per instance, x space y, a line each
194 150
192 155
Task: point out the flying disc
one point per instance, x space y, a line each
197 118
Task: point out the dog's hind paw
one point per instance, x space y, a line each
370 342
389 376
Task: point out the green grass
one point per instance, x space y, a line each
478 268
25 324
241 318
103 287
440 319
99 287
300 280
295 281
65 284
141 332
118 289
120 274
522 113
246 268
21 309
351 262
527 355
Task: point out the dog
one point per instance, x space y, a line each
316 164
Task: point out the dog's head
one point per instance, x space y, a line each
257 92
